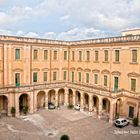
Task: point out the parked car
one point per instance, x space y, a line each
121 122
77 107
51 106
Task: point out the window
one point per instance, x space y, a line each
88 55
72 77
116 82
80 55
95 78
87 77
65 75
17 79
134 55
17 54
96 55
79 76
73 55
105 80
65 55
45 76
45 54
35 77
55 55
35 54
54 76
133 84
106 55
117 55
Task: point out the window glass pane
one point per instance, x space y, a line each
65 75
116 84
54 76
117 55
87 77
105 80
35 77
133 84
73 55
17 79
45 76
88 55
17 54
65 55
72 76
106 55
95 79
35 54
80 55
55 55
45 54
134 55
79 76
96 55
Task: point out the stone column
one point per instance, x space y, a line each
90 102
56 98
35 100
9 104
31 102
10 65
46 99
66 96
74 97
111 113
17 104
5 64
100 108
82 100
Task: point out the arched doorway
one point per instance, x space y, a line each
24 103
118 108
41 100
61 98
70 97
78 98
86 101
51 96
3 104
106 105
95 103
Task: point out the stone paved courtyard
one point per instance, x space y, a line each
51 124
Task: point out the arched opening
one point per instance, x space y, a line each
106 105
41 100
86 101
118 108
95 104
70 97
4 104
61 98
51 96
78 98
24 103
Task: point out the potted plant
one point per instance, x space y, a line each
135 121
13 111
70 106
64 137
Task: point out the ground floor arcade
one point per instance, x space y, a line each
91 102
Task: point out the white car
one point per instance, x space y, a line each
77 107
121 122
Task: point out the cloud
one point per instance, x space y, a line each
63 18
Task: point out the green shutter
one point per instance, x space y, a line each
65 75
87 77
95 79
133 84
105 80
45 76
35 77
106 55
72 77
17 79
116 80
45 54
17 54
117 55
79 76
134 55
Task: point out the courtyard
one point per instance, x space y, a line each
51 124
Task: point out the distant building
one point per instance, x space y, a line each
103 74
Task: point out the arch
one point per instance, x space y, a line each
86 101
118 109
106 105
78 98
61 97
40 99
24 102
70 97
95 101
51 96
3 104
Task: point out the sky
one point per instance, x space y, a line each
68 19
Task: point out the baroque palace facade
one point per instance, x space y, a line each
102 74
